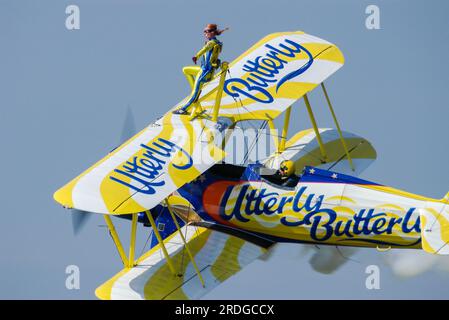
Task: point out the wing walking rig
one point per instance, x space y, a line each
142 180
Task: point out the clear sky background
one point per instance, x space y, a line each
64 96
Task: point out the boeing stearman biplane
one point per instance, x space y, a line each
209 219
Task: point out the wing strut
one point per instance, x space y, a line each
315 128
116 239
281 145
273 133
343 142
224 69
185 244
161 242
132 243
128 262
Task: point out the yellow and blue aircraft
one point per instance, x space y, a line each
209 219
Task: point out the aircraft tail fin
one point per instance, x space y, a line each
435 226
446 197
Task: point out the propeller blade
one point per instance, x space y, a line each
129 125
327 260
410 263
271 252
286 250
79 220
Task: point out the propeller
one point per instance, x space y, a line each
328 259
323 259
79 220
79 217
129 125
410 263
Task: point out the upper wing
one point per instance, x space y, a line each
146 169
217 255
273 74
265 80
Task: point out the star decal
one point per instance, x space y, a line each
312 171
334 176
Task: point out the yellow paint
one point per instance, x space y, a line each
315 128
118 198
401 193
340 198
224 69
116 240
162 283
161 242
334 152
345 148
192 259
289 90
320 51
273 134
227 262
174 200
285 129
272 225
132 243
180 177
424 242
390 206
190 72
443 224
298 136
64 195
446 197
154 249
104 291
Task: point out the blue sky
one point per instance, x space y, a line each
64 96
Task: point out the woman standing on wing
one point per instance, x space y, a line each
198 76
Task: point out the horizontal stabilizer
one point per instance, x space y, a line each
304 150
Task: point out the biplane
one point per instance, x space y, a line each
208 218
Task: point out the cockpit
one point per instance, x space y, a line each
254 172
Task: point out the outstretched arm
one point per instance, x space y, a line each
209 45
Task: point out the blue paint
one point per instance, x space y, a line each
206 74
311 174
149 166
321 221
263 71
165 218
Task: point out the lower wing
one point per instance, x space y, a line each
218 256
